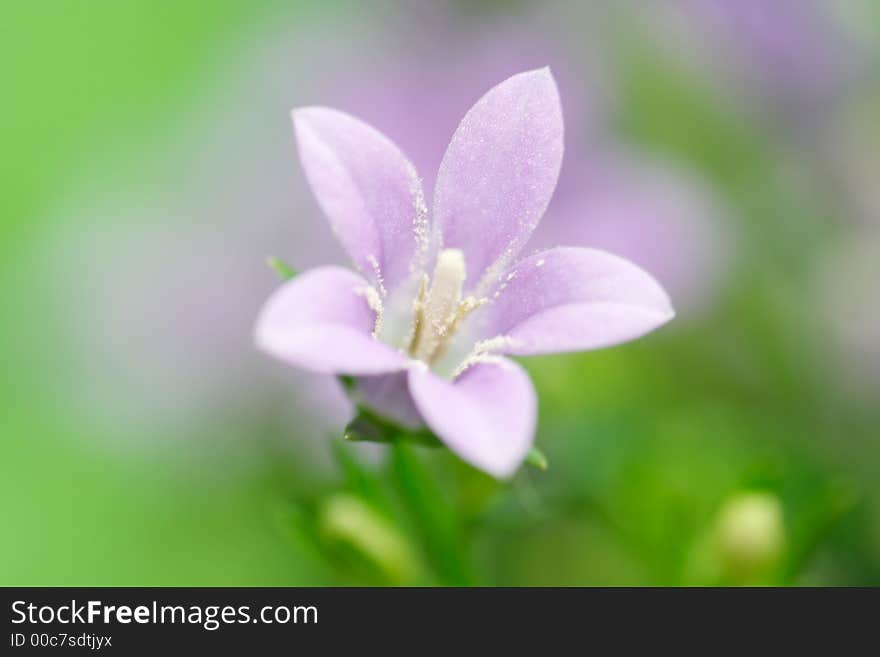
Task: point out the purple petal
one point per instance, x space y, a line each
499 172
571 299
389 396
367 188
486 416
661 217
393 96
321 321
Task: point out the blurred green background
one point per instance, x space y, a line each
148 169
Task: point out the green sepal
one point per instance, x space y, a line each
368 426
537 459
284 271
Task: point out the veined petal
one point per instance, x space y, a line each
367 188
486 416
572 299
499 172
322 321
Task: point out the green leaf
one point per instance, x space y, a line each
347 382
284 271
536 459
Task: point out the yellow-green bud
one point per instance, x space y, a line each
750 535
350 520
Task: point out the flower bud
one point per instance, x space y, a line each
750 535
350 520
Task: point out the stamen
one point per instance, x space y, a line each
377 270
476 359
465 308
483 352
442 303
504 284
374 301
418 320
439 311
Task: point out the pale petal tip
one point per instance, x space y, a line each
300 114
665 312
311 113
504 471
298 117
666 309
541 70
544 74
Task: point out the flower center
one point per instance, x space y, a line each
440 310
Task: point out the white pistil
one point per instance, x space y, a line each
439 308
438 312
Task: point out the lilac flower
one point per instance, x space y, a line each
610 194
441 303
